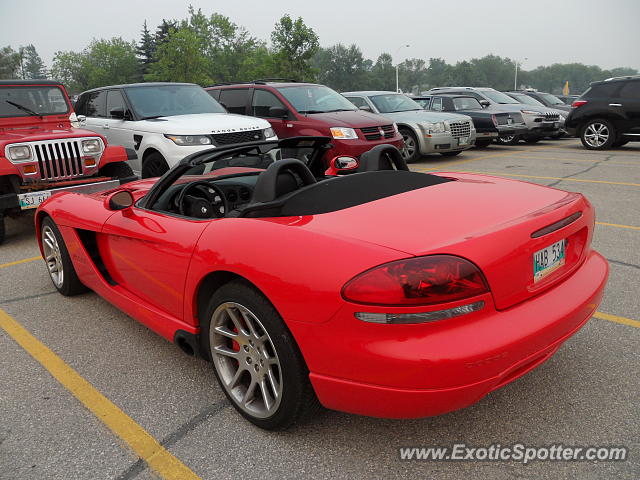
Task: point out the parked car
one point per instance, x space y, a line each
534 118
490 123
296 109
568 99
423 132
607 114
42 154
555 130
386 293
164 122
547 99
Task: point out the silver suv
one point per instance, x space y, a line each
540 122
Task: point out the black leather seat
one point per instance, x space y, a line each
382 157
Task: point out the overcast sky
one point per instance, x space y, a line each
594 32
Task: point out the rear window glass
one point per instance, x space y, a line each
602 90
24 101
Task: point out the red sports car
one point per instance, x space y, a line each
382 292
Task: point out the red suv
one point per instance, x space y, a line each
303 109
41 153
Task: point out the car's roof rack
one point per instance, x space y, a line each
625 77
265 80
260 81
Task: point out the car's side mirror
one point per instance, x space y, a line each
81 119
278 112
366 108
485 103
119 200
342 164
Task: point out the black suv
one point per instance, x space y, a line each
607 114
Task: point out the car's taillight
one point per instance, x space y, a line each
495 120
578 103
429 280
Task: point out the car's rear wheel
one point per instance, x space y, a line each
154 165
411 150
56 256
508 140
450 154
116 170
255 358
483 143
2 229
598 134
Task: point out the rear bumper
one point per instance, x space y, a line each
469 360
510 130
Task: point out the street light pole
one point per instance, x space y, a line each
397 51
515 80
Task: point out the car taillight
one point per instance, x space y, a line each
578 103
495 120
429 280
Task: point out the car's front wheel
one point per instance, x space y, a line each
154 165
598 134
116 170
255 358
411 150
61 270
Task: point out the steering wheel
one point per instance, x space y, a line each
202 199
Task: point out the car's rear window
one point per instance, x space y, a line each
32 100
602 90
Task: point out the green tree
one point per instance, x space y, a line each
9 63
179 59
32 65
71 68
163 30
146 49
294 44
383 73
342 68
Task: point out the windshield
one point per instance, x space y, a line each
169 100
466 103
394 102
498 97
526 99
19 101
316 99
551 99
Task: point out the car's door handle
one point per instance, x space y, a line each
615 104
106 126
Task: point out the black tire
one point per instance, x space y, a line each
620 143
598 134
2 228
411 151
154 165
69 285
116 170
508 140
483 143
297 398
450 154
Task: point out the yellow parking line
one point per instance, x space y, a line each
617 319
618 225
608 162
139 440
18 262
583 180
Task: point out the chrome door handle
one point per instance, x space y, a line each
615 104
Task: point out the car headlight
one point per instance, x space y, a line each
268 133
190 140
20 153
91 146
343 133
531 112
436 127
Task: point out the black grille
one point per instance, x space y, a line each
59 160
238 137
376 133
551 116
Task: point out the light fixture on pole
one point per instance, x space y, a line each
397 51
515 80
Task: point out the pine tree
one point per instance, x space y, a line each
32 65
146 49
162 32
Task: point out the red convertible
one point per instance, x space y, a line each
378 291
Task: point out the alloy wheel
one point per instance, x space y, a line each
596 134
245 359
409 146
52 256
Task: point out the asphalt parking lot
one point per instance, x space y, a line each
587 394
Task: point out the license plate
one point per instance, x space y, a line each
463 141
33 199
548 260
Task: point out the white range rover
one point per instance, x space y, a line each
164 122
